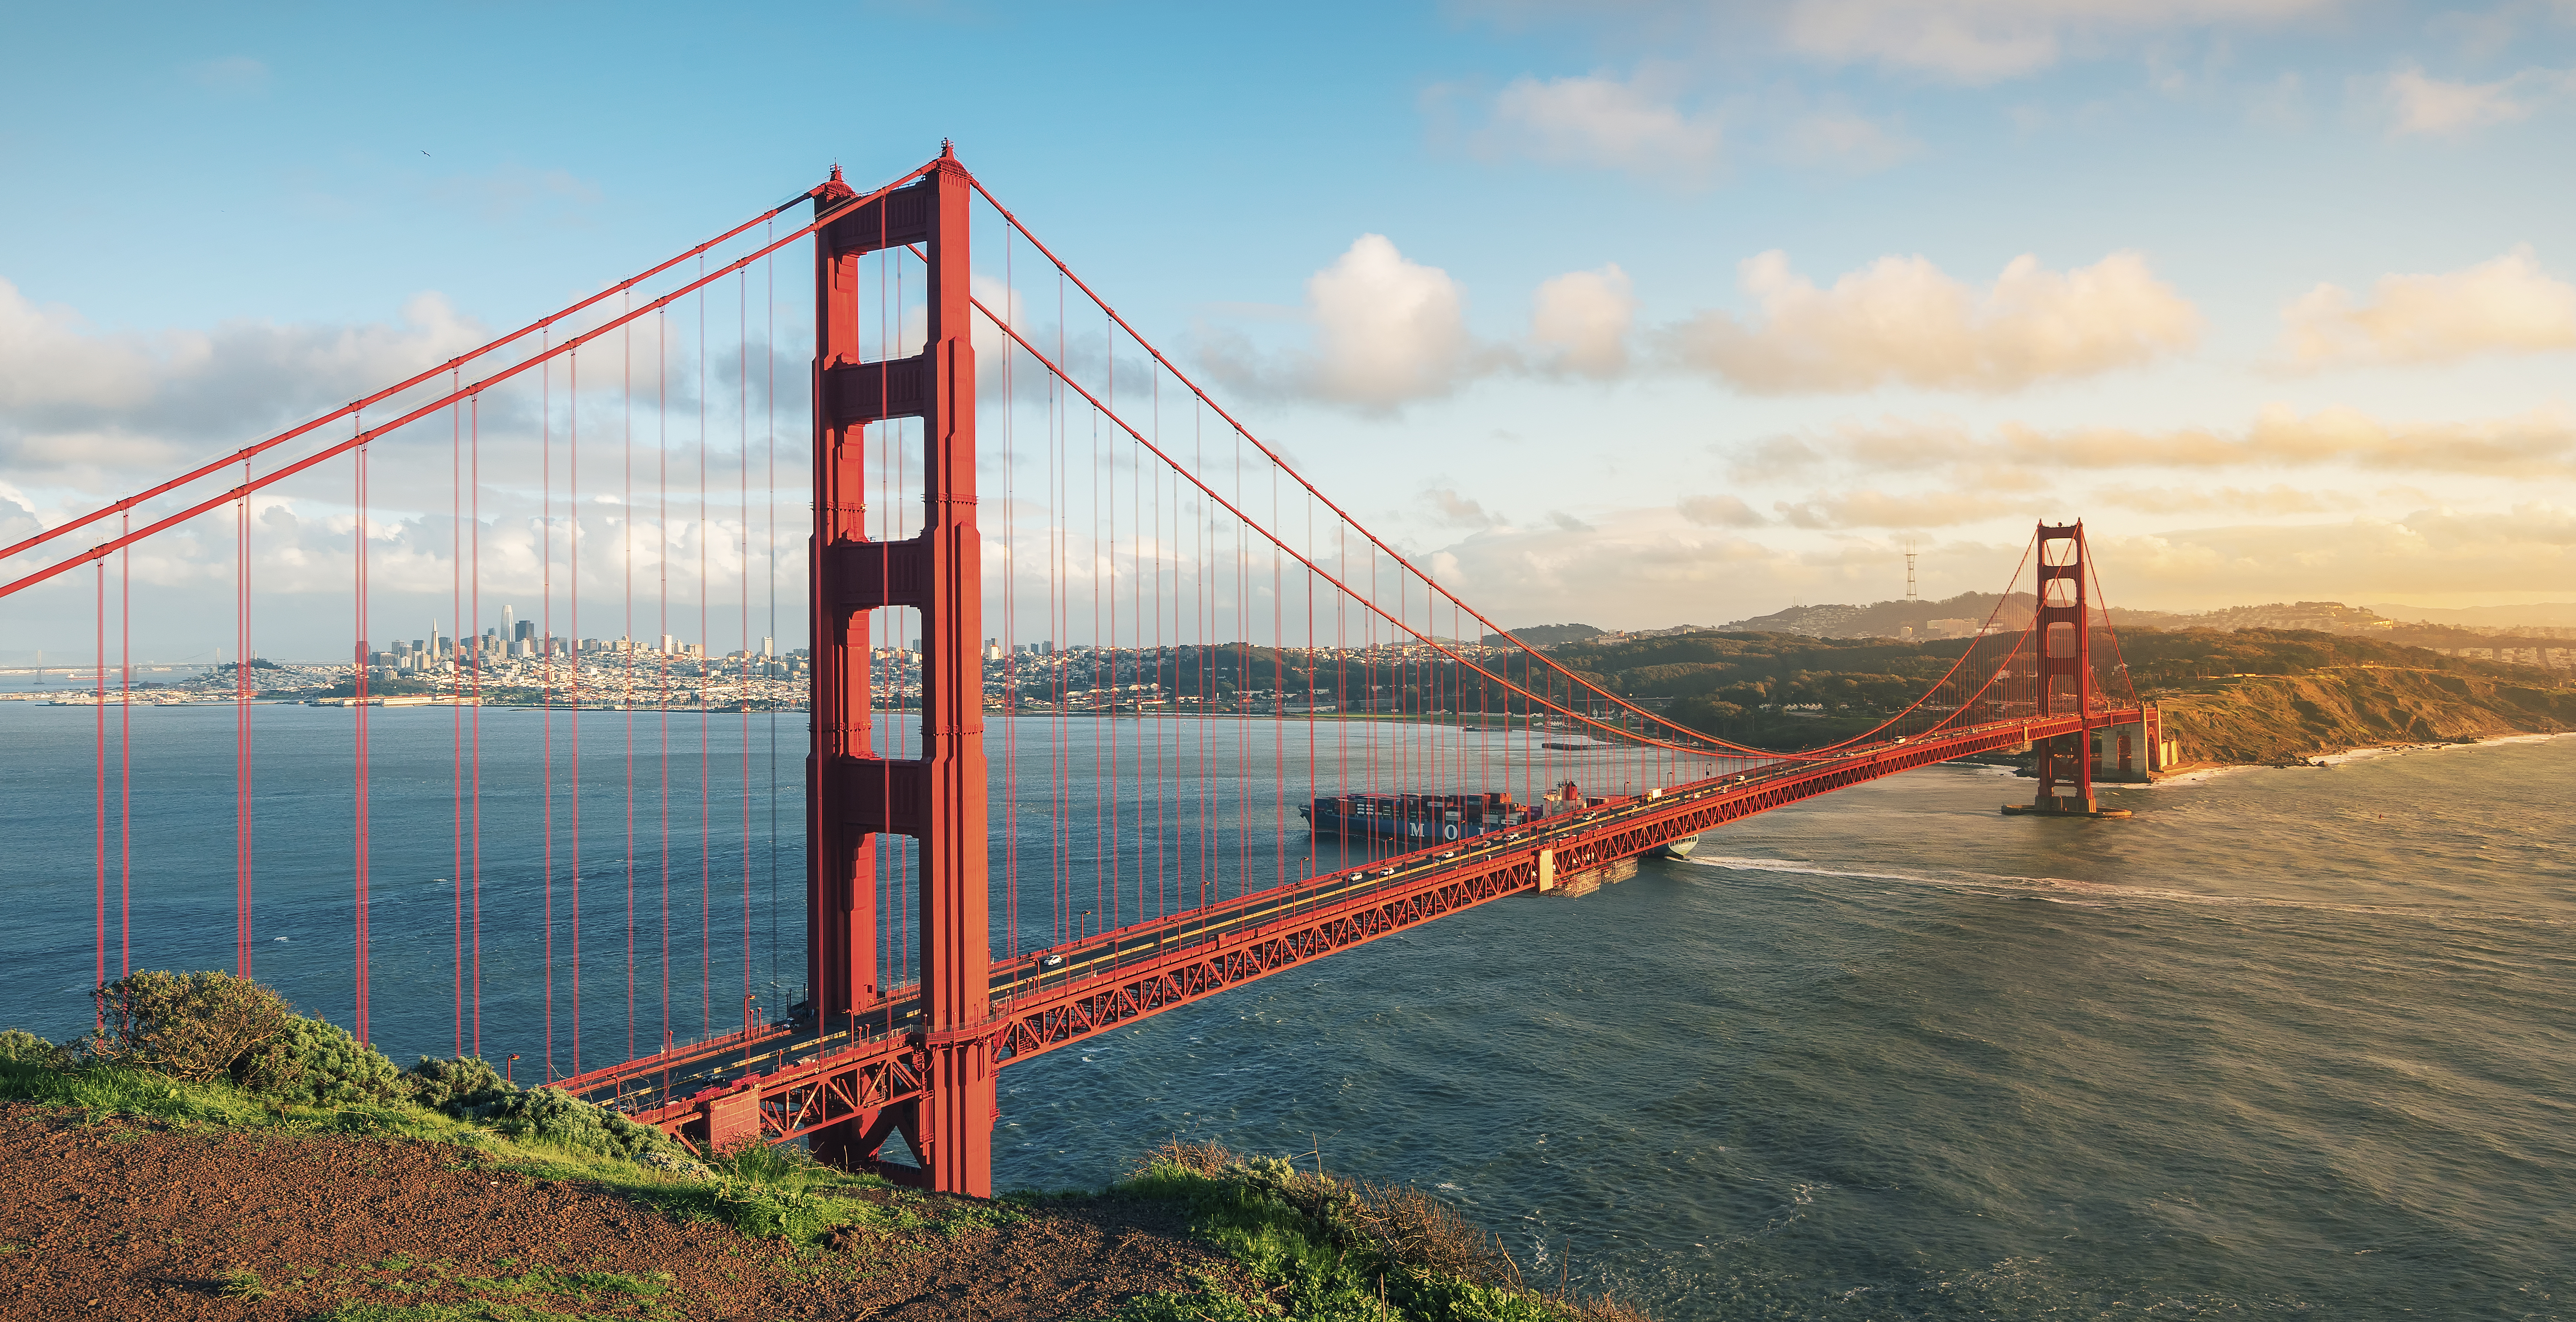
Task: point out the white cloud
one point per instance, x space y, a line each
1448 507
1902 321
1872 508
2508 305
76 400
1636 125
1387 329
2419 104
2541 442
1984 41
1720 512
2273 500
1581 321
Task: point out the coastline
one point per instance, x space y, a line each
2196 772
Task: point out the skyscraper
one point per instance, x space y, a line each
509 623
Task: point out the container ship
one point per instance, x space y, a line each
1434 818
1422 818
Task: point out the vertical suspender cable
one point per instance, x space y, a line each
98 711
546 683
125 757
471 634
451 655
241 732
359 728
662 640
572 650
706 834
626 640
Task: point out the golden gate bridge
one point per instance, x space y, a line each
1125 518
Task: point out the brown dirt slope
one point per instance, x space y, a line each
2277 718
145 1220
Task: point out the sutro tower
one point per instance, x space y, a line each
1909 571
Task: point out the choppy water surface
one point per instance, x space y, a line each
2284 1040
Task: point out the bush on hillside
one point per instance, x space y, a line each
553 1116
314 1063
193 1026
448 1085
18 1046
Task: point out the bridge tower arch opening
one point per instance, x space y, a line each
853 794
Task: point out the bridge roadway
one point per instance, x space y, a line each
778 1081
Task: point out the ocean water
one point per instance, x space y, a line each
2286 1040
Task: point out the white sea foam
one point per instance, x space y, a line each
2093 894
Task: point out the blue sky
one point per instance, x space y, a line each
1704 432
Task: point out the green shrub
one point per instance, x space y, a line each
313 1063
448 1085
193 1026
553 1116
18 1046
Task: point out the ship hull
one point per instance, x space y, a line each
1416 819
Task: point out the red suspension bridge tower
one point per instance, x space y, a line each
853 795
2063 633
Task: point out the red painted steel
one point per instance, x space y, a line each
810 1086
875 1056
2058 610
937 799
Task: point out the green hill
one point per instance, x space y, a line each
2242 696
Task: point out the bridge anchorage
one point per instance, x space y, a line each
1219 728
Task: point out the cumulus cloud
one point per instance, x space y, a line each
1902 321
2535 443
1985 41
2422 105
2276 499
1636 125
73 399
1457 511
2508 305
1387 331
1720 512
1581 321
1872 508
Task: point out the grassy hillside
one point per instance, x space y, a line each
2277 718
2242 696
